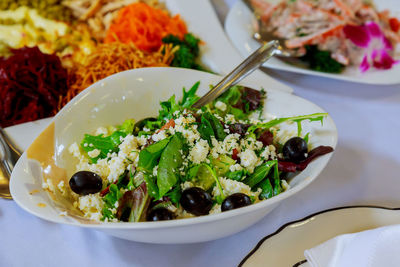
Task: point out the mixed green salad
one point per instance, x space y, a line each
189 162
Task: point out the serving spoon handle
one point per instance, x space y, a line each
253 62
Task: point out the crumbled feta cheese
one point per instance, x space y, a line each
231 142
187 185
48 185
159 136
94 153
74 150
199 152
117 167
235 167
91 205
248 159
231 187
128 149
229 118
61 187
101 130
251 143
215 209
220 105
268 153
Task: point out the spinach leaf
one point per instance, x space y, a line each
170 161
175 194
266 189
152 188
217 127
236 175
205 129
105 145
148 157
297 119
259 173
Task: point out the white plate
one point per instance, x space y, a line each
239 25
286 246
136 94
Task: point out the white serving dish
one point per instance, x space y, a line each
136 94
240 23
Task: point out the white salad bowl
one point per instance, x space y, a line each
136 94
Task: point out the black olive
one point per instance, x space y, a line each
235 201
196 201
295 150
85 182
160 214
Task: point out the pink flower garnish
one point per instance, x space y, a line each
370 37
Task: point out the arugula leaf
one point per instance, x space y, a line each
110 199
168 108
260 173
297 119
306 137
148 157
189 97
170 161
221 196
106 144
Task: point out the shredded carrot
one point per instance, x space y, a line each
145 26
111 58
169 124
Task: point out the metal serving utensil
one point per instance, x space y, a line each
253 62
262 35
8 157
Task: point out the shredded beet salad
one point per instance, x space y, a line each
189 162
31 84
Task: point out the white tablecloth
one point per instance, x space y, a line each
364 170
